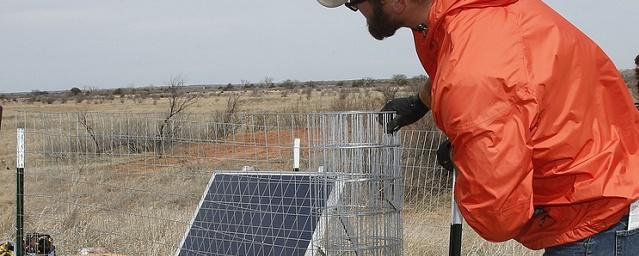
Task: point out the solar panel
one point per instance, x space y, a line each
259 213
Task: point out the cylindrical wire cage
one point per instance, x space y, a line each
353 146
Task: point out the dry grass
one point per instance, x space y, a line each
141 206
134 213
426 233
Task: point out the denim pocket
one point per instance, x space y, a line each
623 226
627 242
625 233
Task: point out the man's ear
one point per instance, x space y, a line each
397 7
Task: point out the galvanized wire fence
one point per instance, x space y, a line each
131 182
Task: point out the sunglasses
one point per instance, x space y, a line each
353 4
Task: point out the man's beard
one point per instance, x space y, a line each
380 24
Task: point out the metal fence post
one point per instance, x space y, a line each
455 225
20 193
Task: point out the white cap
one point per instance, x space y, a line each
332 3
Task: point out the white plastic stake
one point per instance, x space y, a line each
633 217
296 155
457 217
20 148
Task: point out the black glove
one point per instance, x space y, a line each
443 155
408 110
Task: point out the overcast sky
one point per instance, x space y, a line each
56 45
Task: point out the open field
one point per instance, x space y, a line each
125 203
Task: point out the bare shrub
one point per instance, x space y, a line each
179 101
308 92
289 84
267 82
418 80
89 127
75 91
232 106
388 92
368 82
246 84
400 79
342 102
354 100
295 108
119 91
35 93
257 92
311 84
226 122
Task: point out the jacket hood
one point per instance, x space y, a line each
440 8
427 43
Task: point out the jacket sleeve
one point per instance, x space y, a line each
494 185
484 103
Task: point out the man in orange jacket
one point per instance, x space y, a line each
544 131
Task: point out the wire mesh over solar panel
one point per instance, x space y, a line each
259 214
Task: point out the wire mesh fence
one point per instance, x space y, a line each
131 182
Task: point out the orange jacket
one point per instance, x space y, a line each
539 118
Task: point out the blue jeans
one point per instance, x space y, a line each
615 241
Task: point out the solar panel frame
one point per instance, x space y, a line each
330 200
